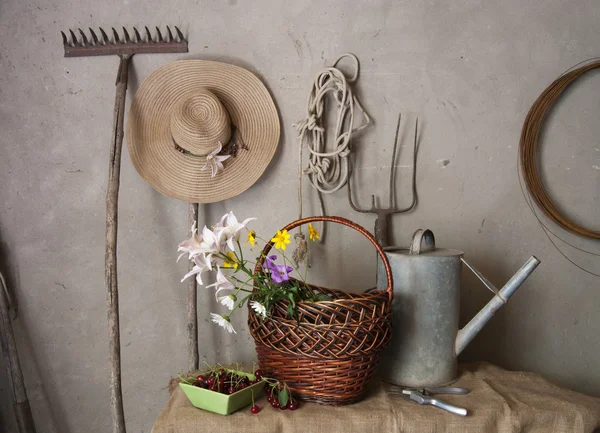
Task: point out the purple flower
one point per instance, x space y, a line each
279 273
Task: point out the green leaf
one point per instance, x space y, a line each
290 310
283 397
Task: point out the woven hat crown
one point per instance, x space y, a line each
199 122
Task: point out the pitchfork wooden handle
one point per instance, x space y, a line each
348 223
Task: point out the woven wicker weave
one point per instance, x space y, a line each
330 353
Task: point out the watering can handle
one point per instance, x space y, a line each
416 246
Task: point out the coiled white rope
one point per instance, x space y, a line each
328 170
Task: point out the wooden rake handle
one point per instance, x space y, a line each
110 253
347 223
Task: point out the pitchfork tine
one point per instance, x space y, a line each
149 35
116 35
65 40
75 42
94 37
137 35
127 38
179 33
170 34
104 36
84 38
392 199
160 37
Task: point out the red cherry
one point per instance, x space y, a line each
258 373
242 385
201 383
293 405
270 399
255 409
275 404
210 382
221 383
200 378
283 407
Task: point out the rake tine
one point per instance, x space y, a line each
127 38
116 35
84 39
104 36
137 35
94 37
65 40
74 42
160 37
180 34
149 34
171 39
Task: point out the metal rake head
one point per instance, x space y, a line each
104 45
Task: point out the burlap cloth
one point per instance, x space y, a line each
499 401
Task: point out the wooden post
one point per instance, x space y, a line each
110 255
192 312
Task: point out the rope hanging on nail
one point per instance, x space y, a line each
328 166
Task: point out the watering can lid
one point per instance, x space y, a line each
423 243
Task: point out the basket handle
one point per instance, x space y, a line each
343 221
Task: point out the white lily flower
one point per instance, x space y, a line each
201 264
222 282
228 301
215 161
191 246
230 228
211 242
260 309
223 322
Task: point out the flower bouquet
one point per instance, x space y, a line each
220 250
325 344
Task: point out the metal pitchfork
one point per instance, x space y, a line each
383 214
124 47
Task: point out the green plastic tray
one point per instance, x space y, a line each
221 403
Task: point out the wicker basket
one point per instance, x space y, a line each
330 354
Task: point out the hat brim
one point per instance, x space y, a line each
177 175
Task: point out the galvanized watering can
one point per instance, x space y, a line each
425 338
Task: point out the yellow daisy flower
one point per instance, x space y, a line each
232 262
313 234
251 237
281 239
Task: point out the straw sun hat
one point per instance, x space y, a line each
181 115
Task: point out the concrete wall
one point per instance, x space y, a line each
469 70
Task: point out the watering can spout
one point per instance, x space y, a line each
472 328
